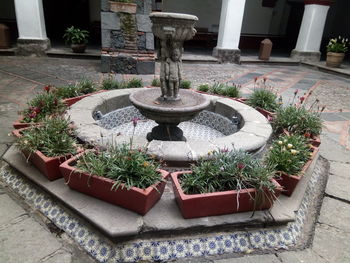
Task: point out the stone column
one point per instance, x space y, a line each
311 30
31 28
230 31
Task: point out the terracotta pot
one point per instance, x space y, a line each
135 199
266 113
290 182
334 60
120 7
49 166
71 101
78 48
219 203
20 125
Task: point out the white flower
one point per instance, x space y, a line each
280 142
290 145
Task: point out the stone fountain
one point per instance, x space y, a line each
168 106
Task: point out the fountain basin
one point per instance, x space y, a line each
182 25
254 129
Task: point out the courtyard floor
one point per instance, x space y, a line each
28 236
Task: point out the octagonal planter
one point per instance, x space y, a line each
18 124
134 199
219 203
48 166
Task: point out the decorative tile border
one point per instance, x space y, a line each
163 249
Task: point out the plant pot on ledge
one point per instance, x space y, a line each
123 7
134 199
334 60
220 203
78 48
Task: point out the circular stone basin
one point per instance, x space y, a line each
186 108
251 135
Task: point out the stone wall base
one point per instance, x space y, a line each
127 63
306 56
227 55
29 47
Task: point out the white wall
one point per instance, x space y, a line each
207 11
256 19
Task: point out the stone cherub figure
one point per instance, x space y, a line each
173 73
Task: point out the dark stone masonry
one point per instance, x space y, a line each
127 40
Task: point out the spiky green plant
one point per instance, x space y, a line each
264 99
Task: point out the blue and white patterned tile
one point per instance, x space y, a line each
272 238
195 247
242 243
92 244
104 252
257 239
228 244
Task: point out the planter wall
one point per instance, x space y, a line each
117 7
220 203
290 182
71 101
135 199
20 125
48 166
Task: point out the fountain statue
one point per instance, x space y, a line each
169 106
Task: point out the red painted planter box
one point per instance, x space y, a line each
266 113
135 199
290 182
20 125
219 203
71 101
49 166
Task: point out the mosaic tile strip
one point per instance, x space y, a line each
163 249
121 121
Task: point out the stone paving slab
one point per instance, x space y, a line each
336 214
306 256
251 259
13 211
20 246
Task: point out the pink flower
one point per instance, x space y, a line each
240 166
32 115
224 150
134 121
269 118
37 109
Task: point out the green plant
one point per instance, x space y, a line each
53 138
42 105
289 154
110 84
74 35
228 170
155 82
134 83
297 120
338 45
133 168
264 99
204 87
224 89
185 84
73 90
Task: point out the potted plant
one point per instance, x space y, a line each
74 92
42 105
228 182
76 38
120 175
336 49
263 98
47 145
298 120
291 155
221 89
123 6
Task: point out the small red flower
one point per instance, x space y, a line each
255 79
302 99
240 166
307 135
37 109
47 88
55 102
32 115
